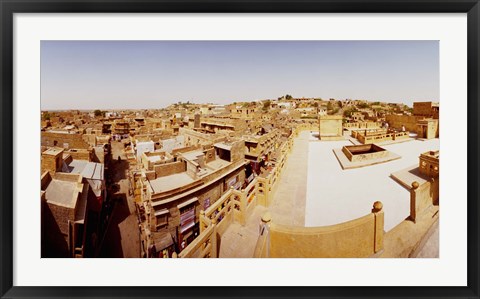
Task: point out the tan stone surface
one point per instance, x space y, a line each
354 238
403 239
239 241
429 247
330 202
409 175
330 126
289 196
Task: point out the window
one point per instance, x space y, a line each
161 218
162 221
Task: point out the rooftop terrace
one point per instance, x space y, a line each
335 195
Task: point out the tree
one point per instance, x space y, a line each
266 105
348 112
46 116
288 97
98 113
363 105
329 106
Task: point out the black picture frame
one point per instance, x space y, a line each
9 7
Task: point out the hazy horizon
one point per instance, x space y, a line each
89 75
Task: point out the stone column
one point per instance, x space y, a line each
379 225
413 201
202 221
213 239
243 207
265 231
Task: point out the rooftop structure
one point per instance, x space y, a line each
330 127
429 163
64 211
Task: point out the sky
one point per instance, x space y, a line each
154 74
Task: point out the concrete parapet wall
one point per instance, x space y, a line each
82 154
45 180
422 197
362 237
167 169
69 177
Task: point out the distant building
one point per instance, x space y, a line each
427 109
424 121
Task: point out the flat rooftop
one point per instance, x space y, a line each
192 155
61 193
335 195
177 180
170 182
217 164
53 151
88 170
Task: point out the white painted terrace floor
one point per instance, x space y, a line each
313 190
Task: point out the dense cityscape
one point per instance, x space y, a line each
282 177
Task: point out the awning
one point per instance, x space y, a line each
188 202
162 240
186 227
161 212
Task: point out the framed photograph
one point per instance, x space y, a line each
239 149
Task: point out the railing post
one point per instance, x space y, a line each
243 207
213 239
265 230
413 201
202 221
378 227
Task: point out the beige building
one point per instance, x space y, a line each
424 121
429 163
427 109
64 214
174 192
330 127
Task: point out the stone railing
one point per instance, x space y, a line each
204 246
382 137
234 206
215 220
306 127
361 237
423 196
362 125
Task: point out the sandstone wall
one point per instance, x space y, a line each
64 140
361 237
167 169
